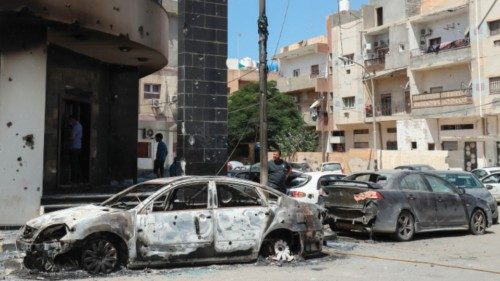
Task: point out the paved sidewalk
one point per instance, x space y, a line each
8 240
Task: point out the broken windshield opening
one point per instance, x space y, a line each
133 196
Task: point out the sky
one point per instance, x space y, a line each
305 19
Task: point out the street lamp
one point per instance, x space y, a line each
372 97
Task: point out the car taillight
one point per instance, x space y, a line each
297 194
374 195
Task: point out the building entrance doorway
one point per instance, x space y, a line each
74 165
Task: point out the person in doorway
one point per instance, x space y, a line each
278 170
75 148
161 155
175 169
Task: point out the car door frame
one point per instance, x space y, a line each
196 245
444 198
240 246
414 198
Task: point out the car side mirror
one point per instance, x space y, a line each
489 186
461 190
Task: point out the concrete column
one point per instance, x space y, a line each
22 128
202 86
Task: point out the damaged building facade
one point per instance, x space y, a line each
435 79
63 58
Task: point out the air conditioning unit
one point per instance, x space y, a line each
147 133
295 99
155 103
172 99
368 47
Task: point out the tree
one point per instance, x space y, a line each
284 119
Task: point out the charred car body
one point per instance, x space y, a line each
183 220
402 203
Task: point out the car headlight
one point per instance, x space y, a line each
28 232
52 233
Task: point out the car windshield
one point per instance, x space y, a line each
301 166
480 173
332 167
132 196
462 180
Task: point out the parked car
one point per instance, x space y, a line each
492 183
473 187
483 172
415 167
175 220
235 165
403 202
332 167
301 167
305 187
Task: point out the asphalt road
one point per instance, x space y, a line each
438 256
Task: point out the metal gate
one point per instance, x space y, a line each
470 157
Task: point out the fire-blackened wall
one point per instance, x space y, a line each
111 94
202 85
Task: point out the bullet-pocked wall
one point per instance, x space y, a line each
202 85
104 98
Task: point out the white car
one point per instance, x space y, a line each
305 187
333 167
492 183
483 172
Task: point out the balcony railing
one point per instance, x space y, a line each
385 109
375 64
443 47
495 87
447 98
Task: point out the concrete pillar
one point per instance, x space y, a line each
22 120
202 86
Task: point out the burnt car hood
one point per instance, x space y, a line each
71 216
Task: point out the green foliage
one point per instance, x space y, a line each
305 141
283 119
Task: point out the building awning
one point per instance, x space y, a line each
315 104
388 73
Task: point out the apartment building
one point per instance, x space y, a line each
158 100
304 75
427 71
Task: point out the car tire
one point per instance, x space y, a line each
478 222
100 256
405 227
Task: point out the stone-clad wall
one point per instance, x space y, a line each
202 82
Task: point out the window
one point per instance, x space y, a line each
401 47
338 134
152 91
450 145
296 72
380 16
413 183
439 185
431 146
435 41
361 144
348 71
349 102
338 147
490 179
495 85
494 27
361 132
436 89
496 43
414 145
314 70
232 195
457 127
189 197
392 130
349 59
144 150
392 145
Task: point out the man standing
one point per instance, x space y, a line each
75 149
278 171
161 155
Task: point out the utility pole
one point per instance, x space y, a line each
263 33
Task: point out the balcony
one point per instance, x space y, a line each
447 98
388 111
317 83
443 54
376 64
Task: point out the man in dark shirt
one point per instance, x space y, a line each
161 155
278 171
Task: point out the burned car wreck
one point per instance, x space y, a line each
180 220
402 203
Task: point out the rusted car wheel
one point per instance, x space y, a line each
99 256
478 222
405 227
